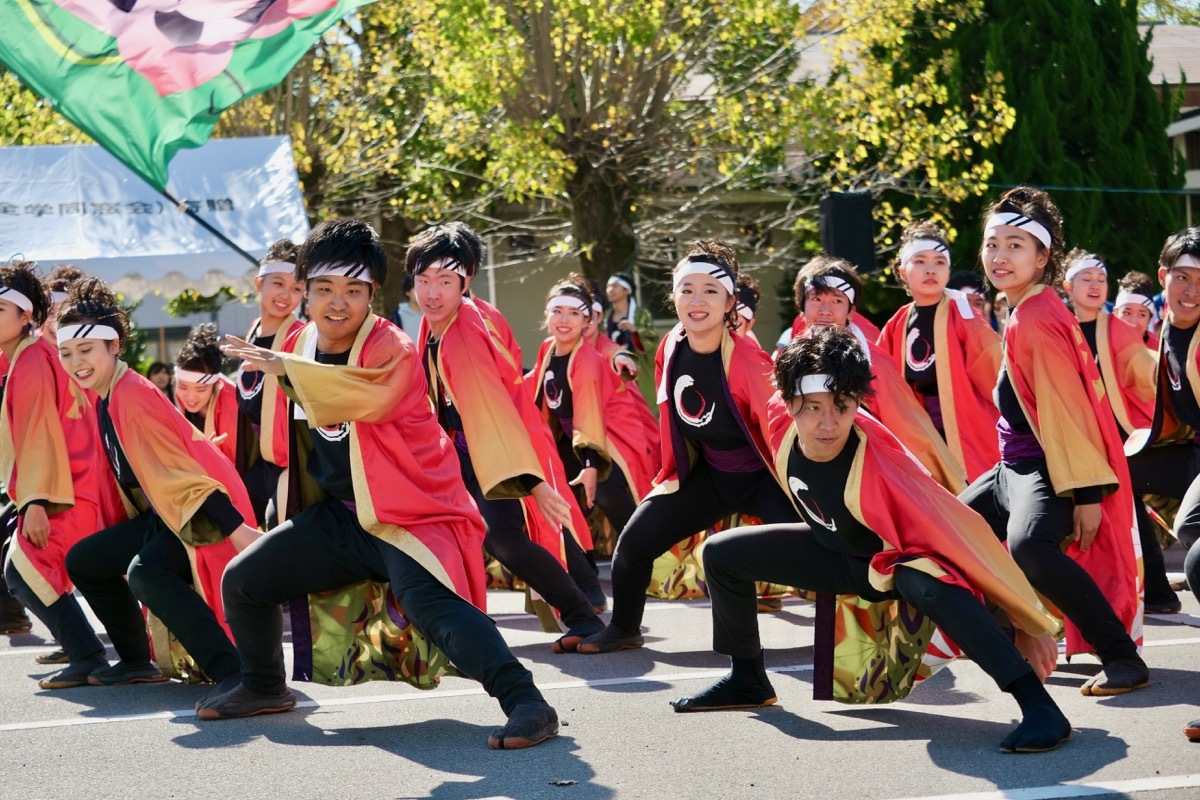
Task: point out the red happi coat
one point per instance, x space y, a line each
500 328
49 452
221 417
609 350
869 330
1064 400
1128 369
609 415
408 488
177 468
968 354
506 434
272 439
748 390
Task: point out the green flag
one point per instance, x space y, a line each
146 77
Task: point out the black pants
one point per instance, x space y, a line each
160 575
323 548
1174 471
64 617
1021 507
613 495
509 542
262 483
789 554
661 521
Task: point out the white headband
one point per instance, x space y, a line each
359 272
182 374
277 266
16 298
597 308
1085 263
832 282
621 281
685 268
1014 220
745 311
445 263
920 245
814 384
58 297
1186 260
87 330
1130 298
567 301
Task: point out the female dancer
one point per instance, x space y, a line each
747 306
1135 305
631 327
872 524
56 284
1062 482
191 510
592 413
949 354
504 446
715 408
206 397
52 469
1127 368
262 457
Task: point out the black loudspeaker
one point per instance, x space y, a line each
847 229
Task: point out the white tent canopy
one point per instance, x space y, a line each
77 204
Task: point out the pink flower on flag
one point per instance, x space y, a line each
178 45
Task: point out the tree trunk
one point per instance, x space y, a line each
602 221
395 233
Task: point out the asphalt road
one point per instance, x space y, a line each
619 738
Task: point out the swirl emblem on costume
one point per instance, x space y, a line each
1173 375
703 415
334 433
798 486
916 343
554 395
249 382
112 449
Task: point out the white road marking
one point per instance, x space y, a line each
1156 784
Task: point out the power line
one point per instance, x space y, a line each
1100 189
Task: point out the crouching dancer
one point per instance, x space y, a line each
876 525
381 496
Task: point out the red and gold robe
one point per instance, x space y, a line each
221 417
506 434
1128 369
607 418
177 468
1064 400
748 390
49 452
968 355
271 440
500 329
869 330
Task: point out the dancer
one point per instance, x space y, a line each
1135 305
504 446
715 411
975 287
206 397
56 284
378 496
747 306
949 354
1062 482
632 328
52 470
262 450
190 509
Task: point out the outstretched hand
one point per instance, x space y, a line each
258 359
587 479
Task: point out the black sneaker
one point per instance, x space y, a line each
610 640
529 724
15 623
57 657
124 673
242 702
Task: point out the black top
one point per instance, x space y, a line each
448 416
329 463
1183 394
820 490
250 384
919 367
623 338
556 389
698 400
196 418
217 507
1089 335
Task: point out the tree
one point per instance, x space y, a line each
1088 120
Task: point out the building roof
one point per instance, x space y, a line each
1175 49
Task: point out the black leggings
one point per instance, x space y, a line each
323 548
1174 471
790 555
508 540
613 495
661 521
160 575
1021 507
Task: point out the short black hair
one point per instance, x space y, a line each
968 279
158 367
821 266
1184 243
202 350
343 241
457 241
825 350
1037 205
91 301
21 276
